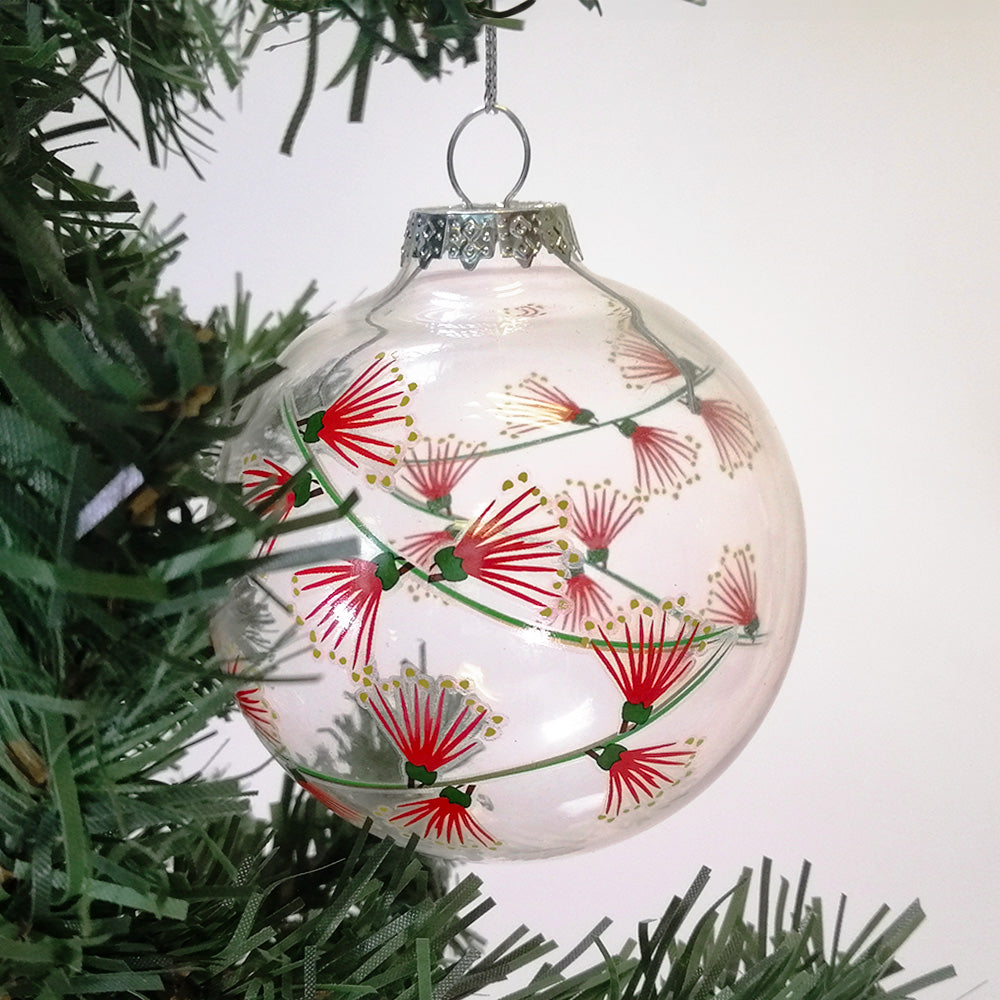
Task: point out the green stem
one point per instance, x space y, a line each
655 405
626 582
418 505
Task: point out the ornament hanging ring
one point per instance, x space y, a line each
460 128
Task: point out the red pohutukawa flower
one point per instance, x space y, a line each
258 713
660 456
435 476
490 551
445 817
732 433
597 520
338 808
651 667
637 771
733 597
373 400
256 710
277 479
539 405
642 362
588 602
421 548
431 722
354 600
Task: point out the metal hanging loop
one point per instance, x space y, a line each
525 143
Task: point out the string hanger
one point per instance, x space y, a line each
490 94
490 107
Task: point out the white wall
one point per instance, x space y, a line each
813 182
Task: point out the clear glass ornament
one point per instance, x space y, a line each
573 577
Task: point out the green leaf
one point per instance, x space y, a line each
115 982
76 843
73 580
225 550
109 892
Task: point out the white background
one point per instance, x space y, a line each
815 184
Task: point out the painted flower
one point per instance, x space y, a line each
256 710
534 404
733 595
421 548
270 491
338 808
353 602
732 433
660 456
431 720
643 363
650 668
491 551
435 476
588 601
355 426
637 771
445 817
597 520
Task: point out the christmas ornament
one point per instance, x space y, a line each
572 580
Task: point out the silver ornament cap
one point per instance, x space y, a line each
472 233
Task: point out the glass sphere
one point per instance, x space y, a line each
572 578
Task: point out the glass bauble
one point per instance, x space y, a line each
573 577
